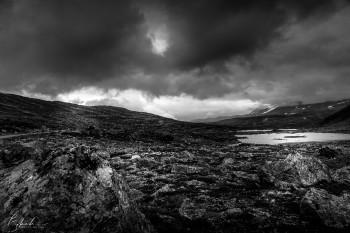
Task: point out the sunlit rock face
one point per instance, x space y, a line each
298 169
70 189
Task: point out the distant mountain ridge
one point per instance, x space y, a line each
264 109
211 119
324 108
256 112
318 110
298 116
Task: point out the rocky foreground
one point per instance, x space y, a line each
68 183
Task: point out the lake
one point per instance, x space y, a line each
279 138
262 130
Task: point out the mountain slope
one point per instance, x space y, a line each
35 113
320 110
20 114
298 116
264 109
342 116
212 119
256 112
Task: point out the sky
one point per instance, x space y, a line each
179 59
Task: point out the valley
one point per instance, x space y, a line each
163 116
105 169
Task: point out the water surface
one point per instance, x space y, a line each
262 130
279 138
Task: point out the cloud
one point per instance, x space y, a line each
310 64
182 107
203 32
66 43
198 51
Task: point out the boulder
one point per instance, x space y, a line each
234 212
329 153
185 169
209 209
196 183
342 175
149 163
186 156
297 169
332 210
16 154
168 188
228 161
189 155
68 190
190 210
246 176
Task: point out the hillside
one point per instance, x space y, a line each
339 117
212 119
298 116
337 122
20 114
35 113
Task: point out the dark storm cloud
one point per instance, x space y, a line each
53 46
79 41
206 31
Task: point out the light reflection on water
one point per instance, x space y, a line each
263 130
279 138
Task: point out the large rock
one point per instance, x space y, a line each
298 169
149 163
191 210
16 154
329 153
210 209
185 169
68 190
333 211
342 175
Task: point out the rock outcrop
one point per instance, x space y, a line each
69 189
64 183
342 175
298 169
332 210
329 153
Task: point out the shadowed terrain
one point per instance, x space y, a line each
104 169
342 116
26 115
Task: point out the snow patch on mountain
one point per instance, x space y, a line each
263 109
270 109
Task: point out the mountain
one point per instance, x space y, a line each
256 112
261 110
20 114
340 117
295 116
322 110
211 119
